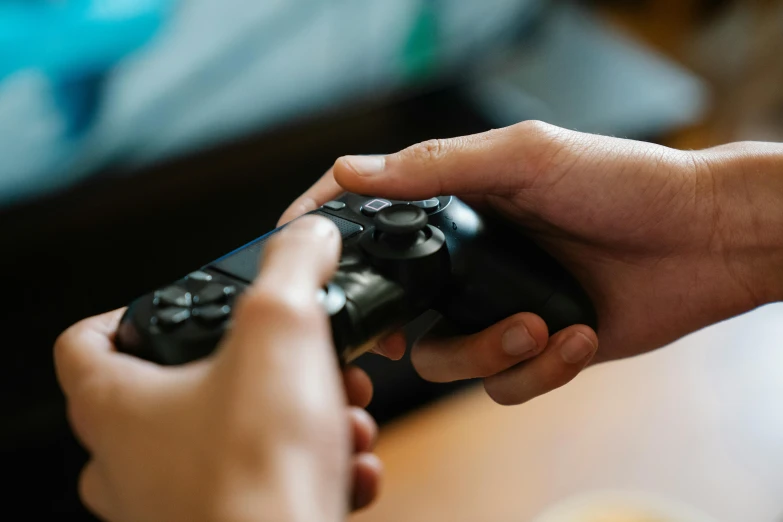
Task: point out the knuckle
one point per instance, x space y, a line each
483 363
427 151
556 377
422 361
88 489
316 423
541 134
328 431
307 421
545 148
502 393
68 364
486 356
66 341
264 304
85 387
538 130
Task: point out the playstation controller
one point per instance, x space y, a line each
399 260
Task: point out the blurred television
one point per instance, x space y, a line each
93 85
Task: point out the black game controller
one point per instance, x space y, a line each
399 260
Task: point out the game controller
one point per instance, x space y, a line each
399 260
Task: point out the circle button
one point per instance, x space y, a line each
430 205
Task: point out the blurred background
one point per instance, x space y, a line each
142 139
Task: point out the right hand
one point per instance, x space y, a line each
664 241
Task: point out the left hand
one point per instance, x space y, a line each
267 428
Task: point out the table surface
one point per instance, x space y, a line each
699 422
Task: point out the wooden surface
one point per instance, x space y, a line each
699 422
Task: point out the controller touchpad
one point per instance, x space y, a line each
244 263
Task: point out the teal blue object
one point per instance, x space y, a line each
70 37
74 43
420 54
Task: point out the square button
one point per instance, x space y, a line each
376 205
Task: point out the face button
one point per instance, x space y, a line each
430 205
332 298
170 317
172 296
213 293
350 259
198 275
334 205
212 314
376 205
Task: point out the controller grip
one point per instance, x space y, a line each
372 307
498 272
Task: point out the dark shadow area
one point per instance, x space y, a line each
98 245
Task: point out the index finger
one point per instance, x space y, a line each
323 190
84 348
300 259
279 327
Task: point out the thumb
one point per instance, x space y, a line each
279 323
497 162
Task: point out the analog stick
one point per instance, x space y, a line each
403 232
401 220
401 226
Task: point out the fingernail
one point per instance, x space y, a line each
518 342
378 350
366 165
576 349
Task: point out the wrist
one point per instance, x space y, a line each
295 494
747 187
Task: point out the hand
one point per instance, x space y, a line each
260 430
664 241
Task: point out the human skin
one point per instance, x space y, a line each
664 241
269 427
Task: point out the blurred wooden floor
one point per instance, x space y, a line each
699 422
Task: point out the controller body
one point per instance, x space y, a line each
399 260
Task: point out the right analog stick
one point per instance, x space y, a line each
409 251
401 226
401 220
403 232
